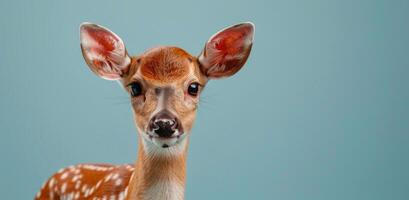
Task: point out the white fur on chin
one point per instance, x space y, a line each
154 146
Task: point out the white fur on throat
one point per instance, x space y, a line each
165 190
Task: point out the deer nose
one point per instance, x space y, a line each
164 124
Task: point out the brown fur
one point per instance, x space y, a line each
64 183
165 64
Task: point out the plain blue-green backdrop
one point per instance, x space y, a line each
319 112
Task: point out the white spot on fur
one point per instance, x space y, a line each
84 187
63 187
78 185
76 177
98 184
108 177
129 167
118 182
115 176
51 183
77 195
96 168
63 176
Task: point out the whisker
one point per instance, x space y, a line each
204 102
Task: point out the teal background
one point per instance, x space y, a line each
319 112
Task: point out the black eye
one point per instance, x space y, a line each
193 89
136 89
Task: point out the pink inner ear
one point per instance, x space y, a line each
104 50
105 41
226 52
233 40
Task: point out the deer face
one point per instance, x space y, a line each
164 83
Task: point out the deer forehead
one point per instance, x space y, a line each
165 65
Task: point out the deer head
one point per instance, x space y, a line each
164 83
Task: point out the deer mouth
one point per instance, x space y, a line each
165 142
164 138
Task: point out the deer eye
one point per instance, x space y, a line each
136 89
193 89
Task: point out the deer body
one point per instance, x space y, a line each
164 84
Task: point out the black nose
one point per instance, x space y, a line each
164 124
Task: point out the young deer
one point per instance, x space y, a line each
164 84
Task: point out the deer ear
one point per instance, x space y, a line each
226 51
103 51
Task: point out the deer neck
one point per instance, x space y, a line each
159 172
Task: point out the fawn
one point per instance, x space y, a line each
164 85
